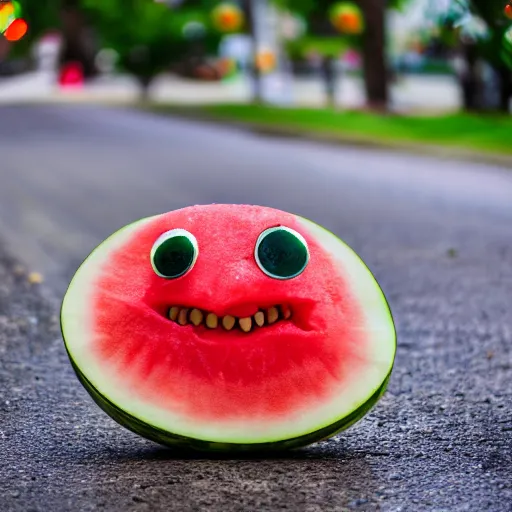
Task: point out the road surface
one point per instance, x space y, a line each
436 234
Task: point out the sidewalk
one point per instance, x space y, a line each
409 93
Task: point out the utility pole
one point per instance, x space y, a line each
251 12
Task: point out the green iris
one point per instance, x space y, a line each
281 253
174 254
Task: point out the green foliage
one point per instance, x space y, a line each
325 46
40 16
321 36
316 13
147 35
308 7
303 7
492 12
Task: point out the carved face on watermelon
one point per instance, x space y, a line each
229 327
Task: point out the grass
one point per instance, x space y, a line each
491 134
332 46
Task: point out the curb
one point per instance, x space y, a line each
436 151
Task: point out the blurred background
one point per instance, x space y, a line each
402 55
98 96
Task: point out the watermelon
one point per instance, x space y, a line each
229 328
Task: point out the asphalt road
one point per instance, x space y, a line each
437 235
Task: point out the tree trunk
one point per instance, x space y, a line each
505 76
145 83
76 46
5 48
470 79
329 74
257 92
374 56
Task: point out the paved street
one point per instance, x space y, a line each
437 235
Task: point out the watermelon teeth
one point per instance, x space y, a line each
263 318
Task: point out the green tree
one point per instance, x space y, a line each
147 35
40 16
65 16
490 49
372 42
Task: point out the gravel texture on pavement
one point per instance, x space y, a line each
440 439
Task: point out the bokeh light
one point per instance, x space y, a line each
7 16
474 29
266 61
194 30
458 14
16 30
12 25
508 38
508 11
347 18
228 17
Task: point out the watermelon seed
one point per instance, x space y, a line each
259 318
245 324
196 317
182 317
228 322
212 321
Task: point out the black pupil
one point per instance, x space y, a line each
282 254
174 256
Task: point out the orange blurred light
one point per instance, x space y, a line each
347 18
349 23
16 30
266 61
228 18
508 11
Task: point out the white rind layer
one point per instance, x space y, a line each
354 391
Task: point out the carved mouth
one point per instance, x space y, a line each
265 317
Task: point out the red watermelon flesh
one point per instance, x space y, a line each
211 374
274 373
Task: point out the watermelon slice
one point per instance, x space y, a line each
229 327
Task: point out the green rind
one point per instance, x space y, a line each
187 443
